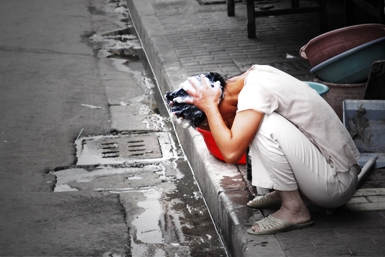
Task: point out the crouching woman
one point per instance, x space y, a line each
297 143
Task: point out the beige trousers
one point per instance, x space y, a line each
284 159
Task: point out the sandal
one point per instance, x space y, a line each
263 201
271 226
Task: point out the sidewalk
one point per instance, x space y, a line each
184 37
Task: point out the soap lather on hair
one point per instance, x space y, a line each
176 100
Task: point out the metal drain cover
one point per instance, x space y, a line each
123 148
138 146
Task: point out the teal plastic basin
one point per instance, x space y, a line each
320 88
352 66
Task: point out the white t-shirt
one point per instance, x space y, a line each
268 90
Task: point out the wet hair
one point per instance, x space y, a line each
190 112
213 77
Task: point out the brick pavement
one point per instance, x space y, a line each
209 40
183 37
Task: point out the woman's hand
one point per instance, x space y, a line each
204 97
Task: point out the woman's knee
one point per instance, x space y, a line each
331 194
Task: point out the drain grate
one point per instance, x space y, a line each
138 146
124 148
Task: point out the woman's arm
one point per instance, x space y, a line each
231 142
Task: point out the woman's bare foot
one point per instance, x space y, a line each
292 210
263 201
275 196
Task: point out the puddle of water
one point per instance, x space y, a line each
147 223
157 229
122 45
76 176
64 188
134 178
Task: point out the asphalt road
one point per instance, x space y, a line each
72 78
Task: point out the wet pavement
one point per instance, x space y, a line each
141 161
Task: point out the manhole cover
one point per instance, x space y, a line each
123 148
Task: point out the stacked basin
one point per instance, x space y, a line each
342 59
346 55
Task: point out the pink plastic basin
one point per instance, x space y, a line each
330 44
